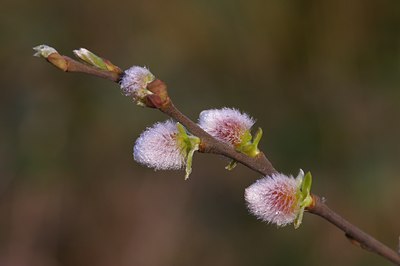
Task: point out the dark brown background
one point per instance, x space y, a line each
321 77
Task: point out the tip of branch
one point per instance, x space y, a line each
44 50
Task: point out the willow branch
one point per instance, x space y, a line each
72 65
75 66
209 144
352 232
67 64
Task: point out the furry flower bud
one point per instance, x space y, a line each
134 83
280 199
166 146
233 127
226 124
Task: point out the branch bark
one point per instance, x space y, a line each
68 64
352 232
75 66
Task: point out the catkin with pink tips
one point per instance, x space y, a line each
159 147
227 124
275 199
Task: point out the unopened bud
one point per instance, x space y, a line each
51 55
90 58
134 84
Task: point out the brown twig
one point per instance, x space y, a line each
68 64
75 66
364 240
259 163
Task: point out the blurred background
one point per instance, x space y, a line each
322 78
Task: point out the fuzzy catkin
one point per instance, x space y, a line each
134 82
158 147
227 124
274 199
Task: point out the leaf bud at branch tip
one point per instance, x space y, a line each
44 51
51 55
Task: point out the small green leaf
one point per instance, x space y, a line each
306 185
258 137
190 144
189 160
248 147
305 198
299 219
181 130
246 139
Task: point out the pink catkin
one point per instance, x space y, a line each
226 124
158 147
274 199
135 80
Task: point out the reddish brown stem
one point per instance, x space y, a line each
68 64
75 66
365 241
